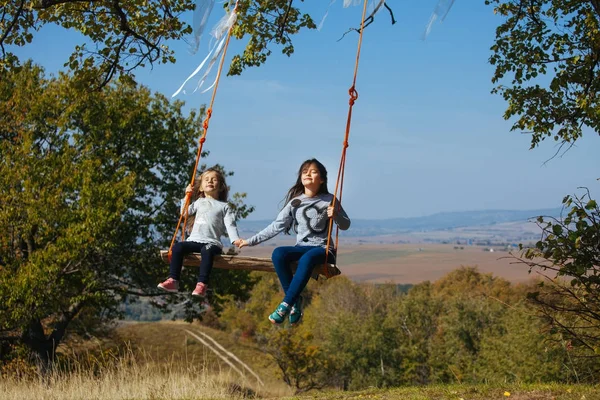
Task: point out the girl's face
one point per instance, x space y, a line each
311 178
210 184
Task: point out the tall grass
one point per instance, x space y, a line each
127 377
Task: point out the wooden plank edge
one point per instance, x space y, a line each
242 263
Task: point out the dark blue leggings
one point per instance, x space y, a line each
180 249
308 258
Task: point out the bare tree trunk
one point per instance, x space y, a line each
44 347
35 339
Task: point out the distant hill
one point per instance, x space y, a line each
434 222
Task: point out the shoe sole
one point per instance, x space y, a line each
275 322
198 294
167 290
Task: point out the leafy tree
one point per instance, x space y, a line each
547 60
550 52
248 318
120 36
516 349
357 342
266 22
569 256
468 309
302 362
90 186
414 323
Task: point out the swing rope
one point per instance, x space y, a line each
340 178
184 214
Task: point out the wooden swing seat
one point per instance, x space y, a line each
245 263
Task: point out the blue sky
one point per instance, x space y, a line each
427 136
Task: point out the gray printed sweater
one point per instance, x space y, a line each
310 215
213 219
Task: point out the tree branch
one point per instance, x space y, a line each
11 25
285 17
371 18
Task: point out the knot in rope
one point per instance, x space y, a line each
208 115
346 144
202 140
353 95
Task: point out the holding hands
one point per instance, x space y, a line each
240 243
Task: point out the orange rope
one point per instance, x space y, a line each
340 178
184 214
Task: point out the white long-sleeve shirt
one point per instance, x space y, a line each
214 218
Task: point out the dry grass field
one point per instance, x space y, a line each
413 262
165 362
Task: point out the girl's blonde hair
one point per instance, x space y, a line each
222 188
223 192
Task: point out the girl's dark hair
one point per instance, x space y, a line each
197 193
298 187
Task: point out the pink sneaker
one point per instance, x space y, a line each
170 285
200 289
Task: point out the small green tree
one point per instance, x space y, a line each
568 254
355 339
413 319
516 349
302 362
467 311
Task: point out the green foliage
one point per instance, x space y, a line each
355 337
248 318
468 327
546 57
91 183
516 349
302 363
265 23
569 252
119 36
550 50
469 308
414 324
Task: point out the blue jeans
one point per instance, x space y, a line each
208 253
308 258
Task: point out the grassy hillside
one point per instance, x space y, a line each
168 341
172 342
465 392
165 361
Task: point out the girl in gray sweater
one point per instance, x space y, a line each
307 211
212 217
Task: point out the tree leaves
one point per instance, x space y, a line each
570 248
120 36
266 23
547 60
90 182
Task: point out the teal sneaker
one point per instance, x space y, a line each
280 313
296 312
